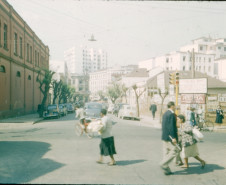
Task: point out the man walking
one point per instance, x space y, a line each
169 137
107 145
153 109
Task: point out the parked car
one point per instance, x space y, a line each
70 107
128 111
117 107
63 109
92 109
52 111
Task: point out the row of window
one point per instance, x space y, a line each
18 46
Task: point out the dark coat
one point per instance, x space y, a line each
219 116
169 126
153 108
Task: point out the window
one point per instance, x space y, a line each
2 69
219 47
183 68
15 43
224 48
29 77
27 52
209 59
30 54
167 60
5 45
209 69
21 46
18 74
184 57
224 40
201 48
0 33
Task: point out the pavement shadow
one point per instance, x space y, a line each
22 161
195 168
129 162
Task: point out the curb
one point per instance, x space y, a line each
37 121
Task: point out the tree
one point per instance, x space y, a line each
137 95
124 89
56 89
44 86
101 95
163 96
114 92
66 93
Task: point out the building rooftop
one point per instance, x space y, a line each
140 72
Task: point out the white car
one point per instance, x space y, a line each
128 111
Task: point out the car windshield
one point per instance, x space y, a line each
61 106
50 107
93 106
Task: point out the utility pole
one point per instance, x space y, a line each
193 64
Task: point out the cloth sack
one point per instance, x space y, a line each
197 134
95 126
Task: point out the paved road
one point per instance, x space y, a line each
50 152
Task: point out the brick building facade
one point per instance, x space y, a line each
22 55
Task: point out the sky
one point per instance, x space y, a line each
130 31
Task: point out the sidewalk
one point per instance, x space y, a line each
25 120
147 120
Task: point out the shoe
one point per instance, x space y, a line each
203 163
179 164
184 166
100 162
168 173
111 163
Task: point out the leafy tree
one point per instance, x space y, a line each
101 95
44 86
137 95
56 89
124 89
114 92
66 93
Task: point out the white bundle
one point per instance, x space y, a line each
95 126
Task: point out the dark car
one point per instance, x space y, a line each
52 111
70 107
93 109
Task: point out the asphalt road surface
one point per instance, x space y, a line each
50 152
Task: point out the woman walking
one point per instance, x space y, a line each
107 145
219 115
189 146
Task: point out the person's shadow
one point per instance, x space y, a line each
21 161
195 168
129 162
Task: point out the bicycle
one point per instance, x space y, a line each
205 125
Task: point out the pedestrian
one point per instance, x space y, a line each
169 137
192 117
219 115
79 113
107 145
189 144
153 109
179 161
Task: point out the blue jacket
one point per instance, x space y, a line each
169 126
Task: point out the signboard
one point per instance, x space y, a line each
222 99
212 98
193 98
193 86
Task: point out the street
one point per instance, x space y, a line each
49 152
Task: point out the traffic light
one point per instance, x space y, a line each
177 78
172 78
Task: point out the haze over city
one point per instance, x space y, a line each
130 31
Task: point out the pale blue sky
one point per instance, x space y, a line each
130 31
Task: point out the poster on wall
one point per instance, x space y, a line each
193 98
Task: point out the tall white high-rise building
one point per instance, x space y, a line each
83 59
